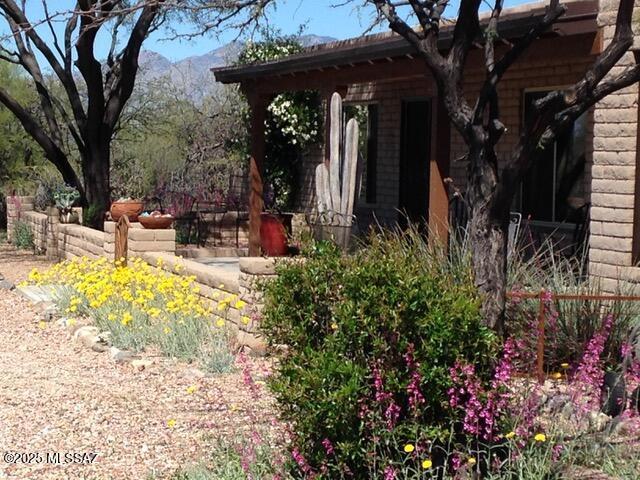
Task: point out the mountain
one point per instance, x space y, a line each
192 75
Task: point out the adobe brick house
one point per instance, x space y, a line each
412 151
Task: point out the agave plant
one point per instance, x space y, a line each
65 196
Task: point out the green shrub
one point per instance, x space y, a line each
22 235
370 339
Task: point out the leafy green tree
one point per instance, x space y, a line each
94 92
18 152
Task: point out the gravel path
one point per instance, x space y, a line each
56 396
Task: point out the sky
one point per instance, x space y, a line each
321 17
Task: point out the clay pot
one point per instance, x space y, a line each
273 235
131 209
156 223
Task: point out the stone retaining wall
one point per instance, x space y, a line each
16 206
217 284
140 240
77 241
38 224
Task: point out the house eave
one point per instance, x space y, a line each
581 18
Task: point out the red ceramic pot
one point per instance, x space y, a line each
156 223
130 209
273 236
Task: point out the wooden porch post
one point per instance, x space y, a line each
258 109
438 172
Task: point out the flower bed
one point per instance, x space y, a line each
141 306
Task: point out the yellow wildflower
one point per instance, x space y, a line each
540 437
220 322
556 375
192 389
334 326
126 318
510 435
42 325
245 319
111 317
167 330
408 448
171 423
564 365
427 464
240 304
471 460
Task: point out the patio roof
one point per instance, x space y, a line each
580 18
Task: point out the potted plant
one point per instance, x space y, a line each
65 197
126 206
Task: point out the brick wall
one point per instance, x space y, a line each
614 172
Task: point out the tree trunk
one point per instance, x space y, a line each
95 168
488 235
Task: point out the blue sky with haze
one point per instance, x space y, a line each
320 17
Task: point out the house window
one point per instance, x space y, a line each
554 188
367 117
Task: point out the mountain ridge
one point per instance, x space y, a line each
192 74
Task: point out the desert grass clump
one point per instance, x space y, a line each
570 324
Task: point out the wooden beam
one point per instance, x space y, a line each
438 171
258 111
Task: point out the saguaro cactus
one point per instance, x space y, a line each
336 185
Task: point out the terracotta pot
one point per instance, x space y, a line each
130 209
156 223
273 235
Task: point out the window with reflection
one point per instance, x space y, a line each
554 189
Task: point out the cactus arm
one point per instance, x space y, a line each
350 170
335 134
322 188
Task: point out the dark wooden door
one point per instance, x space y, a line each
415 152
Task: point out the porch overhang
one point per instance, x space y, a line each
334 66
389 48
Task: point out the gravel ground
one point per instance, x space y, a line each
59 397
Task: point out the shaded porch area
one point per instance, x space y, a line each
411 160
